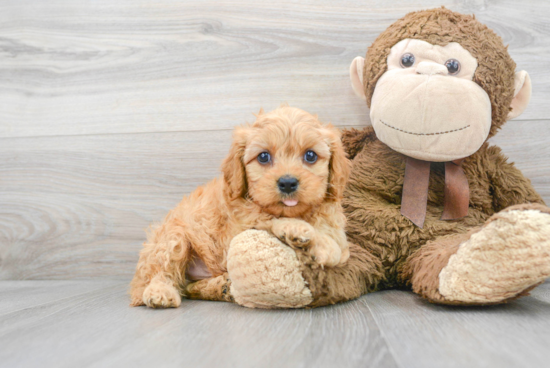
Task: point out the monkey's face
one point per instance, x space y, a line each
426 104
439 101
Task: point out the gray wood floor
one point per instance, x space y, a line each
89 324
112 110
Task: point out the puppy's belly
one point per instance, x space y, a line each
197 270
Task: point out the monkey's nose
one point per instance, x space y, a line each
287 184
431 68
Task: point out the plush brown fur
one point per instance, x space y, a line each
372 203
343 282
248 197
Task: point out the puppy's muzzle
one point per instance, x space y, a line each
287 184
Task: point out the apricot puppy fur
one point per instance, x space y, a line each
285 174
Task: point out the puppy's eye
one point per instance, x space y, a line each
310 157
407 60
264 158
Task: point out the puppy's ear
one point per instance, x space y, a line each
339 164
260 113
234 173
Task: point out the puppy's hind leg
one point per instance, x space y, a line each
213 288
160 272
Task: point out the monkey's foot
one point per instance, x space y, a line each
509 256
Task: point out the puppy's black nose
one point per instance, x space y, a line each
287 184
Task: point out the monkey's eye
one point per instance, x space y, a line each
264 158
453 66
407 60
310 157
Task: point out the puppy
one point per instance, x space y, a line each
285 174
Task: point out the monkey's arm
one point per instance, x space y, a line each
354 140
508 184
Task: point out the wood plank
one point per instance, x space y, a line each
542 292
18 295
527 143
424 335
99 329
74 67
77 207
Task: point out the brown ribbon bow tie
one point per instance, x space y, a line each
414 200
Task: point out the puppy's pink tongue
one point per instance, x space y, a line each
290 202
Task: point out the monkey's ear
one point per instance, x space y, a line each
522 94
356 76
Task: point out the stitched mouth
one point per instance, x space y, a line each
435 133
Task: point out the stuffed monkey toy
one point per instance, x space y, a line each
440 208
430 204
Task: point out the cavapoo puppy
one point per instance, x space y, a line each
285 174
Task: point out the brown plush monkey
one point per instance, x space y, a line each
440 208
429 202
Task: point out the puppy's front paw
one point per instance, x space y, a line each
327 253
293 232
159 294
